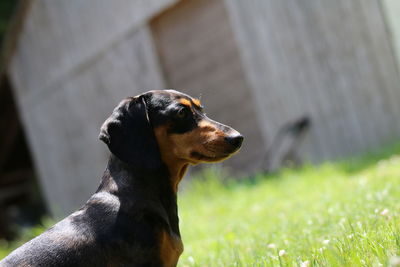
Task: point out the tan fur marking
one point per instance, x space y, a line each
169 155
206 141
171 248
197 102
185 102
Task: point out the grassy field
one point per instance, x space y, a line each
337 214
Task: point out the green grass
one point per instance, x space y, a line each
337 214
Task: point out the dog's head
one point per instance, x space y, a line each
166 126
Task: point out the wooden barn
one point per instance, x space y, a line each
257 65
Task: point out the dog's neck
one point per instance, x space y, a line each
132 185
176 169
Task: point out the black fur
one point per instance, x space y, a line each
129 135
118 226
169 109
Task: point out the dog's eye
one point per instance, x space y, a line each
182 113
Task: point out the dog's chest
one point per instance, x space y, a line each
171 248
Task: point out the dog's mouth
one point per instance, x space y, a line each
209 158
214 152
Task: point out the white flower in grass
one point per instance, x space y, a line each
350 236
191 260
364 234
394 261
326 242
385 212
282 253
322 249
305 264
272 246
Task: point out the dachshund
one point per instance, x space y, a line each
132 219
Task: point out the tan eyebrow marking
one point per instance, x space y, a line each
185 102
196 102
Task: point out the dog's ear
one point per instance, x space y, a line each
129 135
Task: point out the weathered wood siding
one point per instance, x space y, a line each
329 59
256 65
60 36
199 56
74 62
391 10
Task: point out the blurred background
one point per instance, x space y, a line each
302 80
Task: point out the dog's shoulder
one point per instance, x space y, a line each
64 244
98 233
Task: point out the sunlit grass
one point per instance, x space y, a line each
337 214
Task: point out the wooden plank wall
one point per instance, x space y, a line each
391 11
257 64
199 56
330 59
74 62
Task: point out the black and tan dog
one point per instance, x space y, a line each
132 219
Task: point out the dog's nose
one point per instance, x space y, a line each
235 140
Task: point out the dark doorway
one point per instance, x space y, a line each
20 198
